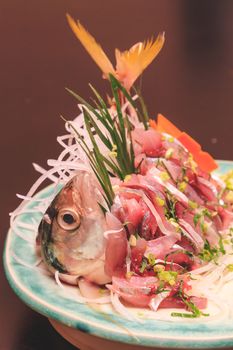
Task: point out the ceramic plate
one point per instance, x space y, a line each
42 294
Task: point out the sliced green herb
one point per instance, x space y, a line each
209 253
143 266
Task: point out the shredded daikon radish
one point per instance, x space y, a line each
41 170
109 232
56 275
157 300
121 309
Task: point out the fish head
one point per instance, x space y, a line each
71 232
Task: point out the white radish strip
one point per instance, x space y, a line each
157 300
42 171
67 165
208 184
70 144
30 193
14 215
226 259
177 246
62 169
120 308
209 267
222 305
213 277
56 275
39 262
228 277
199 241
71 150
36 185
41 179
67 157
128 264
21 196
61 139
155 173
109 232
220 283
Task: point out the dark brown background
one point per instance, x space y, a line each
191 82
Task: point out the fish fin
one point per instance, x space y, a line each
92 47
131 63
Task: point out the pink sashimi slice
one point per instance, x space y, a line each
161 246
150 140
116 246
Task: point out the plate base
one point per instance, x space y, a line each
86 341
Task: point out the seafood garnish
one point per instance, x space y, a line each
140 220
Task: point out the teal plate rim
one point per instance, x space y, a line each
41 293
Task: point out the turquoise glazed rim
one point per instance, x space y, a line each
41 293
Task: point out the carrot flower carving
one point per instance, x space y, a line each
129 64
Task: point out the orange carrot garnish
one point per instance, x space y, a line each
152 124
204 160
164 125
191 145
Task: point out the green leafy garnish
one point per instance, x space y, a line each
115 134
230 267
151 259
170 213
195 311
209 253
200 218
144 115
168 276
143 266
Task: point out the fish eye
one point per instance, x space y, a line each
68 219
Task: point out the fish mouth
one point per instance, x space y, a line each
45 240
